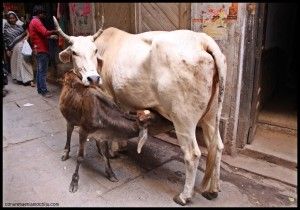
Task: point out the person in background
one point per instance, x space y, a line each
5 80
14 36
20 22
5 59
39 36
22 19
4 21
52 43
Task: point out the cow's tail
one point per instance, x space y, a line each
220 61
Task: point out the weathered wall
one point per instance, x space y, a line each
81 18
225 22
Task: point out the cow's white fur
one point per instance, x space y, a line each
84 56
172 73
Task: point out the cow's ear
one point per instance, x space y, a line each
65 56
100 62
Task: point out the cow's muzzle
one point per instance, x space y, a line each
94 80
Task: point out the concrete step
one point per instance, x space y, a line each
273 146
257 166
269 158
280 111
263 168
277 128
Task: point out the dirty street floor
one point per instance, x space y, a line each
34 135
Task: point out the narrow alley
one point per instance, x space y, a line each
34 134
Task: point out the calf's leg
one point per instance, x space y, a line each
104 150
75 178
70 128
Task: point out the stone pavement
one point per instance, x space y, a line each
33 140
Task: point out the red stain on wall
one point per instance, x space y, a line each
86 10
233 10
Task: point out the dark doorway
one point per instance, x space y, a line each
279 79
276 124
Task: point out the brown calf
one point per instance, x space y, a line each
97 116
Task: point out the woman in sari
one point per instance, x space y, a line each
14 36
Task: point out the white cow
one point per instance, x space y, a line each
180 74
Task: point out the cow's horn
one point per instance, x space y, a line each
68 38
95 36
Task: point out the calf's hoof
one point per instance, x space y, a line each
177 199
64 157
210 195
73 186
74 183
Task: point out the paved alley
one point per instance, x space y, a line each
34 135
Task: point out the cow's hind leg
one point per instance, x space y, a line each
104 151
212 137
70 128
75 178
185 132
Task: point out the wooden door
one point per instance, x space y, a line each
259 46
118 15
250 89
162 16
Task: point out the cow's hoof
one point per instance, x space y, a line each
177 199
210 195
65 157
113 179
73 186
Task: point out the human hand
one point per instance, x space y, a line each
8 53
34 50
54 31
53 37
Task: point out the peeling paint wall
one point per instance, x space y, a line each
225 22
81 19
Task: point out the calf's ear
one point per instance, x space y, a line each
65 56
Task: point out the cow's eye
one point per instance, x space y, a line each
74 53
96 51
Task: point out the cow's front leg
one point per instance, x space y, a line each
70 128
189 146
104 150
75 178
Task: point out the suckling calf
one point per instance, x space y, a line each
99 118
